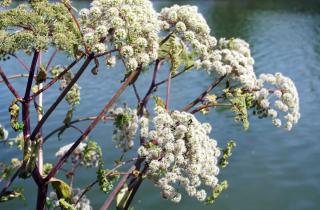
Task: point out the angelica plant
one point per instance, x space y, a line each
169 146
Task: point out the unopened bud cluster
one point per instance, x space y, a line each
126 125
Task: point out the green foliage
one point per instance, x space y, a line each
122 120
63 190
5 3
91 152
241 101
65 205
73 96
42 75
37 25
14 110
47 168
122 197
216 192
159 102
10 195
68 117
177 52
227 152
6 170
30 154
106 179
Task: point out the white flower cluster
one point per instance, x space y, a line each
87 157
128 25
181 154
230 57
126 125
83 204
190 26
64 149
233 57
282 96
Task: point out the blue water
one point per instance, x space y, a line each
270 168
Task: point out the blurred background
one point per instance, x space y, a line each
270 168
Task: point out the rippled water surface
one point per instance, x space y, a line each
270 168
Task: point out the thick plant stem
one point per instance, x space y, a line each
92 125
42 195
39 112
26 103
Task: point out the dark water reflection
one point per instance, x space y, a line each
270 169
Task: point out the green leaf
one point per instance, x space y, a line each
106 179
66 205
121 120
68 117
217 192
42 75
30 154
159 101
227 152
176 51
14 110
122 197
10 195
63 190
241 102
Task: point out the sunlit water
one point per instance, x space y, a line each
270 168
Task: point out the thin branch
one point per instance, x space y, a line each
201 97
8 184
198 109
174 76
31 75
136 186
168 91
88 188
92 125
17 76
60 97
9 85
74 18
51 59
105 53
21 61
113 194
72 122
144 101
136 92
54 80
